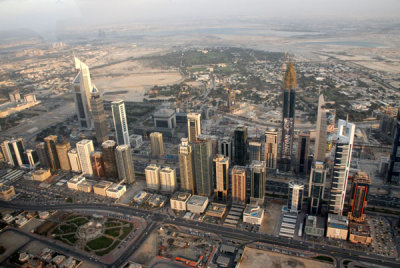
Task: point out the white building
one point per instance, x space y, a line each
341 168
295 196
197 204
116 190
179 200
253 214
152 173
168 179
85 149
74 161
120 123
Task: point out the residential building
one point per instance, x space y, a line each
295 196
225 147
124 162
239 184
168 179
85 149
221 177
254 151
315 226
33 158
157 144
393 175
98 116
152 172
303 151
74 161
271 149
62 149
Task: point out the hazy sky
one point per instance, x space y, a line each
42 15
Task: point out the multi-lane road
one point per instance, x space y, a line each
155 218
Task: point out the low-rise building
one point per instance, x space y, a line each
179 200
360 233
116 190
337 227
216 210
141 197
253 214
85 186
136 140
7 192
157 200
101 187
315 226
41 174
75 181
197 204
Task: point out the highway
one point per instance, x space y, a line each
157 218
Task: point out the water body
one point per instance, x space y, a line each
363 44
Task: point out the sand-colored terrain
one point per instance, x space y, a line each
257 258
11 241
271 218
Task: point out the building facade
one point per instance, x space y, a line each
258 180
316 187
97 164
295 196
157 144
62 154
124 162
152 173
51 151
202 159
240 145
393 174
168 179
74 161
239 184
194 126
98 116
120 123
85 149
221 177
110 164
254 151
271 149
359 196
303 151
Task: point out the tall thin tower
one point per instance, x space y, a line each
289 96
98 115
120 123
320 137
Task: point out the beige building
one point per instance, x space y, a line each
179 200
221 176
101 187
337 227
74 161
152 173
186 166
62 153
271 148
168 179
360 233
85 149
7 192
216 210
75 181
116 190
239 184
157 144
41 174
85 186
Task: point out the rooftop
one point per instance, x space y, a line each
181 196
103 184
253 211
163 112
197 200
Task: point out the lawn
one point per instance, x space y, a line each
100 243
114 232
79 221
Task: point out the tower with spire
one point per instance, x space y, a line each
289 96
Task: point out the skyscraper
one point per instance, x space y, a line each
358 196
33 158
221 176
254 151
258 178
168 179
295 196
239 184
15 152
194 126
4 150
393 174
225 147
120 123
97 164
152 172
74 161
62 154
123 157
157 144
240 145
82 86
289 95
85 149
98 115
202 154
321 132
108 153
42 154
343 150
271 148
186 166
52 152
303 149
316 187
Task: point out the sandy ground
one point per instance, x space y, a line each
257 258
271 218
11 242
32 224
147 251
132 191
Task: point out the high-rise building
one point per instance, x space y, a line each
289 96
152 172
320 134
33 158
74 161
240 145
15 152
194 126
303 150
295 196
258 181
202 159
393 174
270 142
99 116
225 147
254 151
51 150
120 123
186 168
157 144
358 196
341 166
168 179
316 187
85 149
214 142
4 150
42 154
97 164
124 161
221 176
62 154
239 184
108 153
82 86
